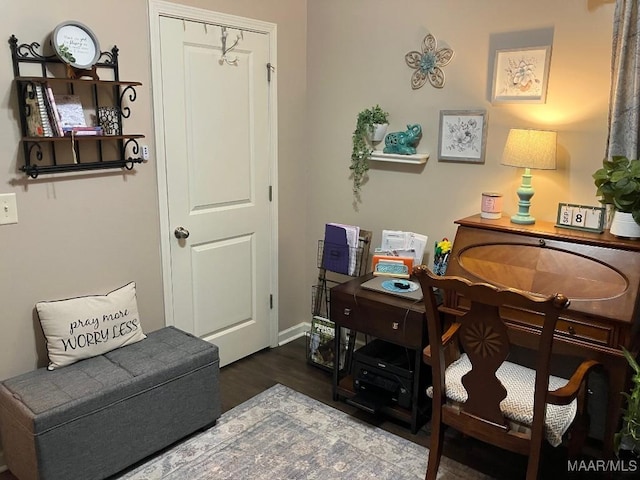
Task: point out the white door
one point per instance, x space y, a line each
216 136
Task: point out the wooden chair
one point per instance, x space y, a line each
480 394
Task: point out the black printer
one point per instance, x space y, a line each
382 375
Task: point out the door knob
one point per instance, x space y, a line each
181 232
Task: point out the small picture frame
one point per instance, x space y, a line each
463 136
581 217
520 75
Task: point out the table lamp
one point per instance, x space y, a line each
529 149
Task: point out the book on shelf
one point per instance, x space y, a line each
56 123
81 131
50 111
70 110
33 118
38 123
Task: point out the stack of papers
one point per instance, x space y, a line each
403 244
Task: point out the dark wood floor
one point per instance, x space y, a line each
287 365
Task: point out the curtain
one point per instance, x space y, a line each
624 105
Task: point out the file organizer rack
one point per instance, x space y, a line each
327 278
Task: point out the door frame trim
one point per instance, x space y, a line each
161 8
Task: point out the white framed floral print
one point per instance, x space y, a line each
463 136
521 75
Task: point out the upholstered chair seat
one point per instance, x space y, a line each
518 405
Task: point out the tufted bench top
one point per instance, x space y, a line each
66 394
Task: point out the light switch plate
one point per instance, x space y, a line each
8 209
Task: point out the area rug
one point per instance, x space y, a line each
283 434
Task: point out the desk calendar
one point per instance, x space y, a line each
581 217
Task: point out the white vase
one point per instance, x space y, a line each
623 225
378 132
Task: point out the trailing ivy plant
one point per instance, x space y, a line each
361 148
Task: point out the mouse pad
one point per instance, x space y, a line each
386 285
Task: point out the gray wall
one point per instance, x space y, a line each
90 233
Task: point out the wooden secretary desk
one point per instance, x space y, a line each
598 272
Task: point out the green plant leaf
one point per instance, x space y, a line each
618 184
631 413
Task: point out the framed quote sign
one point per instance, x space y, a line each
75 44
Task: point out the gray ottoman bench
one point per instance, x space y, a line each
98 416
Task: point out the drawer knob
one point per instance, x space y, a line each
395 325
571 330
347 312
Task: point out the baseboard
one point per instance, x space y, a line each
291 333
297 331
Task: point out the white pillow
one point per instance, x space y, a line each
85 327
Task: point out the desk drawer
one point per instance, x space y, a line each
402 327
572 328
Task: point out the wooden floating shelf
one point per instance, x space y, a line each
415 159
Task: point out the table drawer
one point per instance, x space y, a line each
402 327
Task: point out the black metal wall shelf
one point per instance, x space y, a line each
62 154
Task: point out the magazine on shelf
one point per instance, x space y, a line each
321 341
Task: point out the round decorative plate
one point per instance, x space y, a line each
400 286
75 44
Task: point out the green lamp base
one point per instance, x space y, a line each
525 192
523 219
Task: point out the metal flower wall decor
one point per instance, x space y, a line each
428 63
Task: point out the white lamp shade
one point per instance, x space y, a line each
530 149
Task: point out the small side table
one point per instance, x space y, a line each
390 318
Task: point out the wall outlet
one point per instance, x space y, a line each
8 209
145 152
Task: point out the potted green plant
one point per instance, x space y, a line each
618 183
628 438
363 137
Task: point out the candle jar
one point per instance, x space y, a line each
491 205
